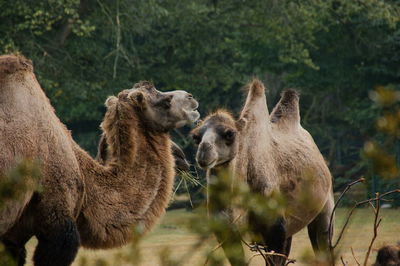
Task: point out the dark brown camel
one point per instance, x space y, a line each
83 202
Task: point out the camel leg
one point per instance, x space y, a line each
14 242
15 238
288 246
276 240
16 251
319 227
58 239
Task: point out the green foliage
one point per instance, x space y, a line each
381 152
333 51
14 183
5 258
18 180
229 206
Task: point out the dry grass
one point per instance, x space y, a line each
172 233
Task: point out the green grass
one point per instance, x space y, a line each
172 233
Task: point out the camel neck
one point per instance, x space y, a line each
121 197
122 130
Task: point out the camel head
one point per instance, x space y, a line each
217 141
159 111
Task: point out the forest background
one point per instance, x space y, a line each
335 52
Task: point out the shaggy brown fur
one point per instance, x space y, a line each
272 153
388 256
180 159
104 202
29 128
118 196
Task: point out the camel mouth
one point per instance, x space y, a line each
193 114
207 165
223 163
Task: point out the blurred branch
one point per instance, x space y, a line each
183 138
262 251
331 247
117 49
377 222
341 259
357 205
377 199
354 256
222 242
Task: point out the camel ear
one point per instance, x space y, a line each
137 98
112 100
241 124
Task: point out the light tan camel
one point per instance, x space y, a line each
271 153
103 203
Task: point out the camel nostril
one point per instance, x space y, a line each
205 155
190 96
205 146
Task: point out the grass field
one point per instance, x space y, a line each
173 234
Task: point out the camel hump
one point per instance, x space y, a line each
9 64
287 109
256 103
256 89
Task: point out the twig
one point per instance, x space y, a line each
252 257
263 255
354 256
117 49
187 188
341 259
213 250
377 222
352 210
373 207
290 261
335 207
378 198
259 249
220 244
330 229
182 137
177 187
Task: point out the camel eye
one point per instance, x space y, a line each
229 136
165 102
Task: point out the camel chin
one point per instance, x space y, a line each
192 115
208 165
187 105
